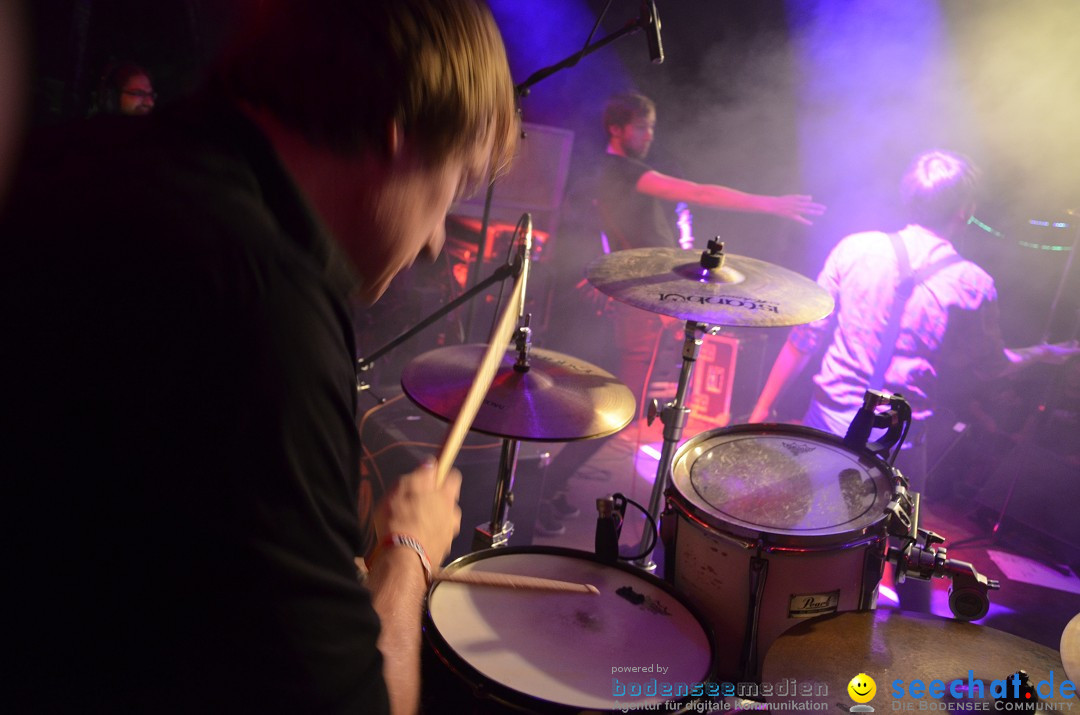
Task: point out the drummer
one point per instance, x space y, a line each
951 316
178 372
629 200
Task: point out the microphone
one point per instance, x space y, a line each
650 21
610 512
969 598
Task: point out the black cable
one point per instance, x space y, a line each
900 443
652 525
595 26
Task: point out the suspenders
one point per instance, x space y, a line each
908 280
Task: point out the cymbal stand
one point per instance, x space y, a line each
1063 281
673 416
507 270
496 533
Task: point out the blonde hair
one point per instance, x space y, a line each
341 71
938 185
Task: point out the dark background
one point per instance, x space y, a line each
827 97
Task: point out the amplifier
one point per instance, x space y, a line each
727 378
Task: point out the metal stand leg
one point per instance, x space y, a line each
496 533
673 417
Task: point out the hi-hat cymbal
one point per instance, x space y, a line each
559 399
742 292
891 645
1070 648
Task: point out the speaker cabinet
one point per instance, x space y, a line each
726 380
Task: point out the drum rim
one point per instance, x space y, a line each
745 531
506 695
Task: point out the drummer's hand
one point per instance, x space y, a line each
796 207
424 511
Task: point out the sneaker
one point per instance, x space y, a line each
548 522
563 508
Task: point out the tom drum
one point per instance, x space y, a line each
770 525
635 644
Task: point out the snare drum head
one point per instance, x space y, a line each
780 479
569 648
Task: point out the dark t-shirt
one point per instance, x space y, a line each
177 414
628 218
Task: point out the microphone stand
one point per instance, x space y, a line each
503 272
1045 340
1064 277
634 25
522 90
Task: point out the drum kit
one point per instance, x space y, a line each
763 527
892 645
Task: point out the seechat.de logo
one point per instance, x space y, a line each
862 690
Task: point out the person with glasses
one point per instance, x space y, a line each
178 369
126 89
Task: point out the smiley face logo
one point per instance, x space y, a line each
862 688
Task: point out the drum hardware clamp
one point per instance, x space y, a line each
707 290
923 559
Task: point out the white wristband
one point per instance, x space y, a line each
396 539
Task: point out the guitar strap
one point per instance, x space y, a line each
908 279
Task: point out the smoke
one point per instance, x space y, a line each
1018 68
834 98
830 98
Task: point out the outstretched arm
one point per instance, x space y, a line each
795 207
789 364
1048 353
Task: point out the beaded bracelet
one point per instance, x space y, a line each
397 539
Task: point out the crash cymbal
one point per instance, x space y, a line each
741 292
559 399
890 645
1070 648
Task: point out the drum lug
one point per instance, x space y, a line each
873 570
669 530
759 572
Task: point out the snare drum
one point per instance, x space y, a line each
541 651
772 525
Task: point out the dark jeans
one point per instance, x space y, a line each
639 337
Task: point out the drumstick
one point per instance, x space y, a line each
503 580
496 349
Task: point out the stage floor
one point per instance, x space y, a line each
1039 594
